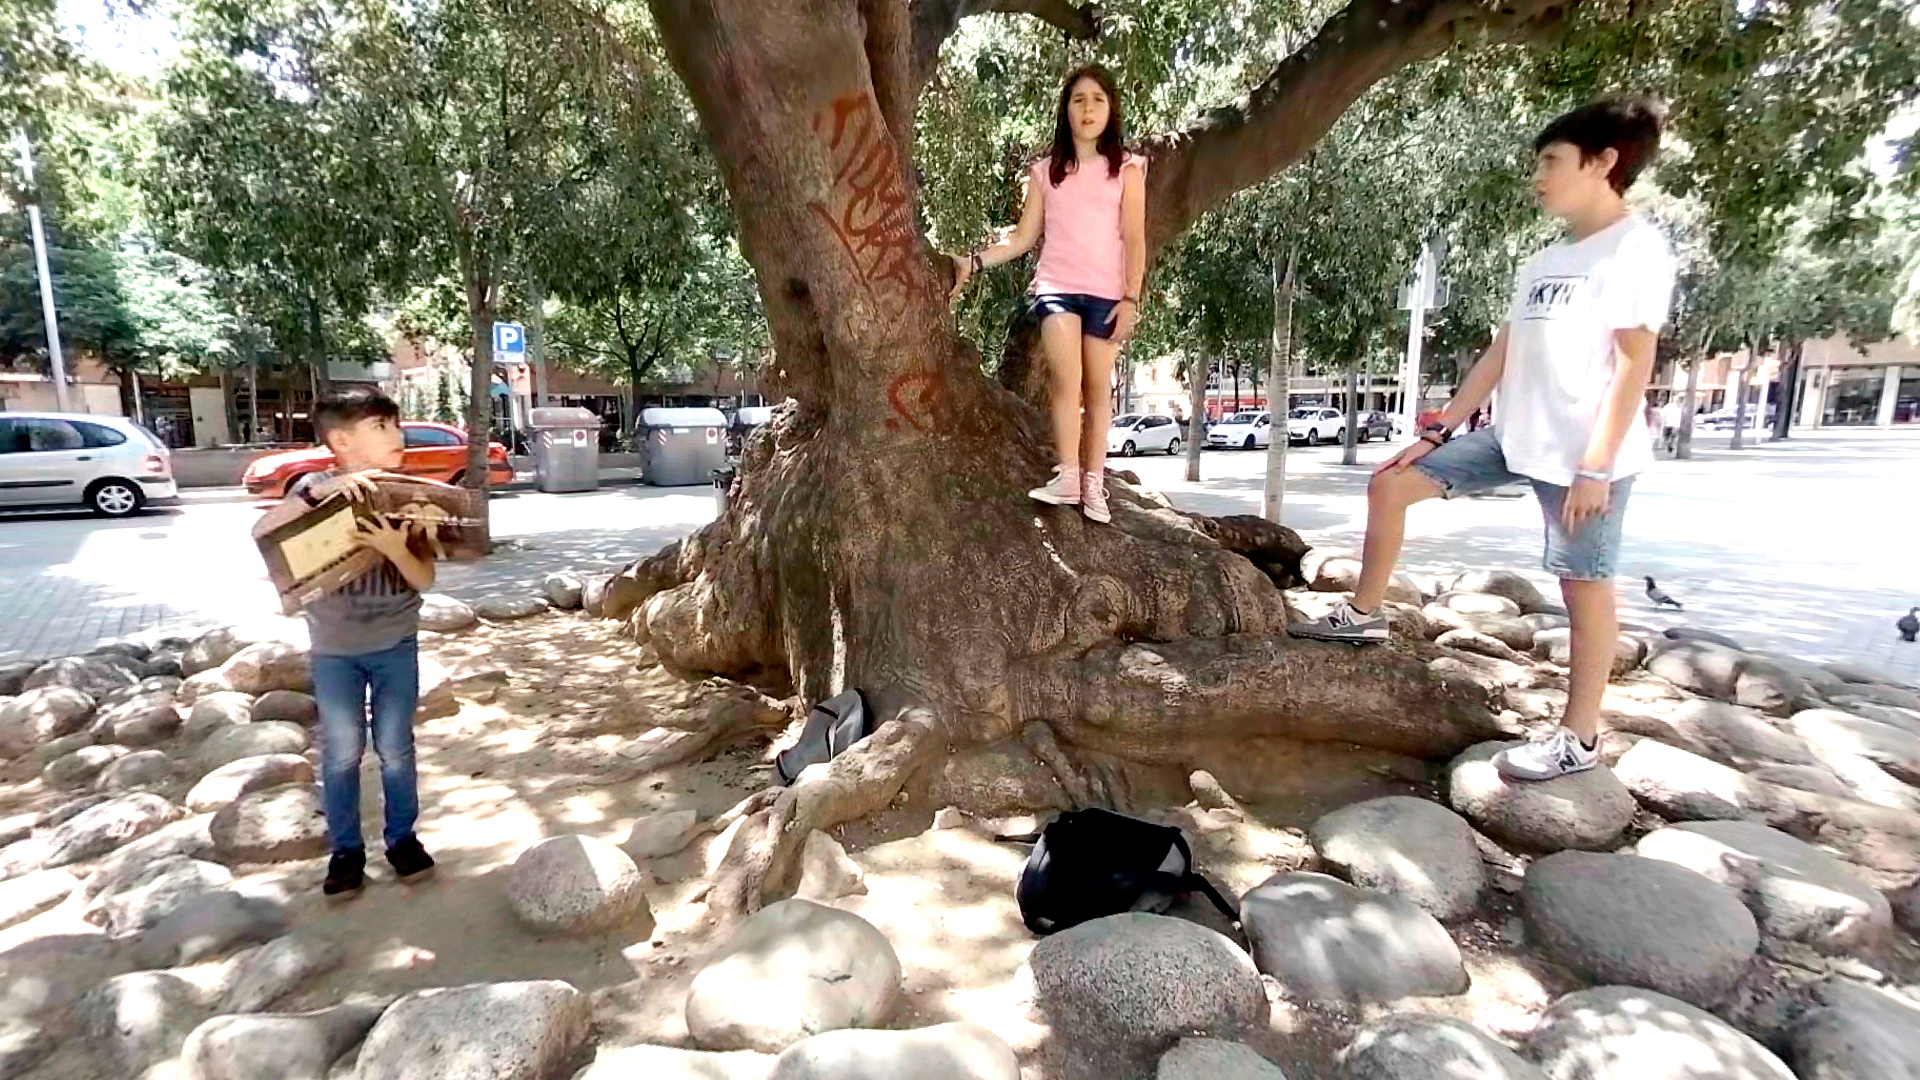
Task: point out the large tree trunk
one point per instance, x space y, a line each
879 535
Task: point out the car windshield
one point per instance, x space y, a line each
1127 420
1243 418
1302 414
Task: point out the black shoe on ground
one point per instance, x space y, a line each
410 860
346 874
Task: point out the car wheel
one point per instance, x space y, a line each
1127 449
1249 443
1313 436
1173 447
114 498
1364 435
458 478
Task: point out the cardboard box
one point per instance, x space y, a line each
313 550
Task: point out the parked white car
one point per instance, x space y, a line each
1133 434
1316 424
1246 430
108 464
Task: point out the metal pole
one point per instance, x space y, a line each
46 281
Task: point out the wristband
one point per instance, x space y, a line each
1439 434
1594 474
1436 441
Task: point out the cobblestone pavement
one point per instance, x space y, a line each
1805 547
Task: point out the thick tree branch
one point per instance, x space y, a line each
1284 117
935 20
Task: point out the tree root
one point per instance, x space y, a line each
769 827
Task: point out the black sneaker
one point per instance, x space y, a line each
346 874
410 860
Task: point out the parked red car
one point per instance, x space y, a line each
435 451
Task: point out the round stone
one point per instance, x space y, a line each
1796 891
1640 922
1126 987
291 706
1411 1046
1415 849
278 825
1616 1032
577 885
794 969
1326 941
1588 810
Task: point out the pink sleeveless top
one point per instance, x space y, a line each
1081 249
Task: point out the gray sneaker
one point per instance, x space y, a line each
1343 623
1557 753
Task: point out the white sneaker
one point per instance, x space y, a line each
1556 753
1062 490
1344 623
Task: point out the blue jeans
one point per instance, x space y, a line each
1474 462
342 686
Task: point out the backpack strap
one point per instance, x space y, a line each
1161 881
1196 883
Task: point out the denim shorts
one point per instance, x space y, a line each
1096 314
1474 462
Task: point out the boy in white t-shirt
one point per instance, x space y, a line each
1571 364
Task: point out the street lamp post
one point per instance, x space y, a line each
46 280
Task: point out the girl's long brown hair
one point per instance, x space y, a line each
1112 140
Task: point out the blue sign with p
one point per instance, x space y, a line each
509 340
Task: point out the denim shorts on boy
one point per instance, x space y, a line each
1475 462
1096 313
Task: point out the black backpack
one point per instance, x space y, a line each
832 726
1088 864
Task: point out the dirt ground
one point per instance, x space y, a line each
551 751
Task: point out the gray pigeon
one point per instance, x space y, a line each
1660 598
1908 625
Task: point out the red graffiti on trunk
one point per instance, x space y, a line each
918 398
869 211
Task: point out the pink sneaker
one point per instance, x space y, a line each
1062 490
1093 497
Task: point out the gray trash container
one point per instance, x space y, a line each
681 447
566 449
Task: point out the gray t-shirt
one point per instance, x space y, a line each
372 613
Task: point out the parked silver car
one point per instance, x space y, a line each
108 464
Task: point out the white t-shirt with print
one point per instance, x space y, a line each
1567 302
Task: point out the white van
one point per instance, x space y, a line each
108 464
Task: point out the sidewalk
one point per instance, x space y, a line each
522 481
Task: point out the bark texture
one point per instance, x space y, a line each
879 534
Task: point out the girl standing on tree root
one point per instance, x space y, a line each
1089 198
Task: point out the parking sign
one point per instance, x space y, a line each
509 342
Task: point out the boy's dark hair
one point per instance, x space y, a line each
1628 125
348 407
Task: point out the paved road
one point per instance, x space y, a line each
71 581
1804 546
